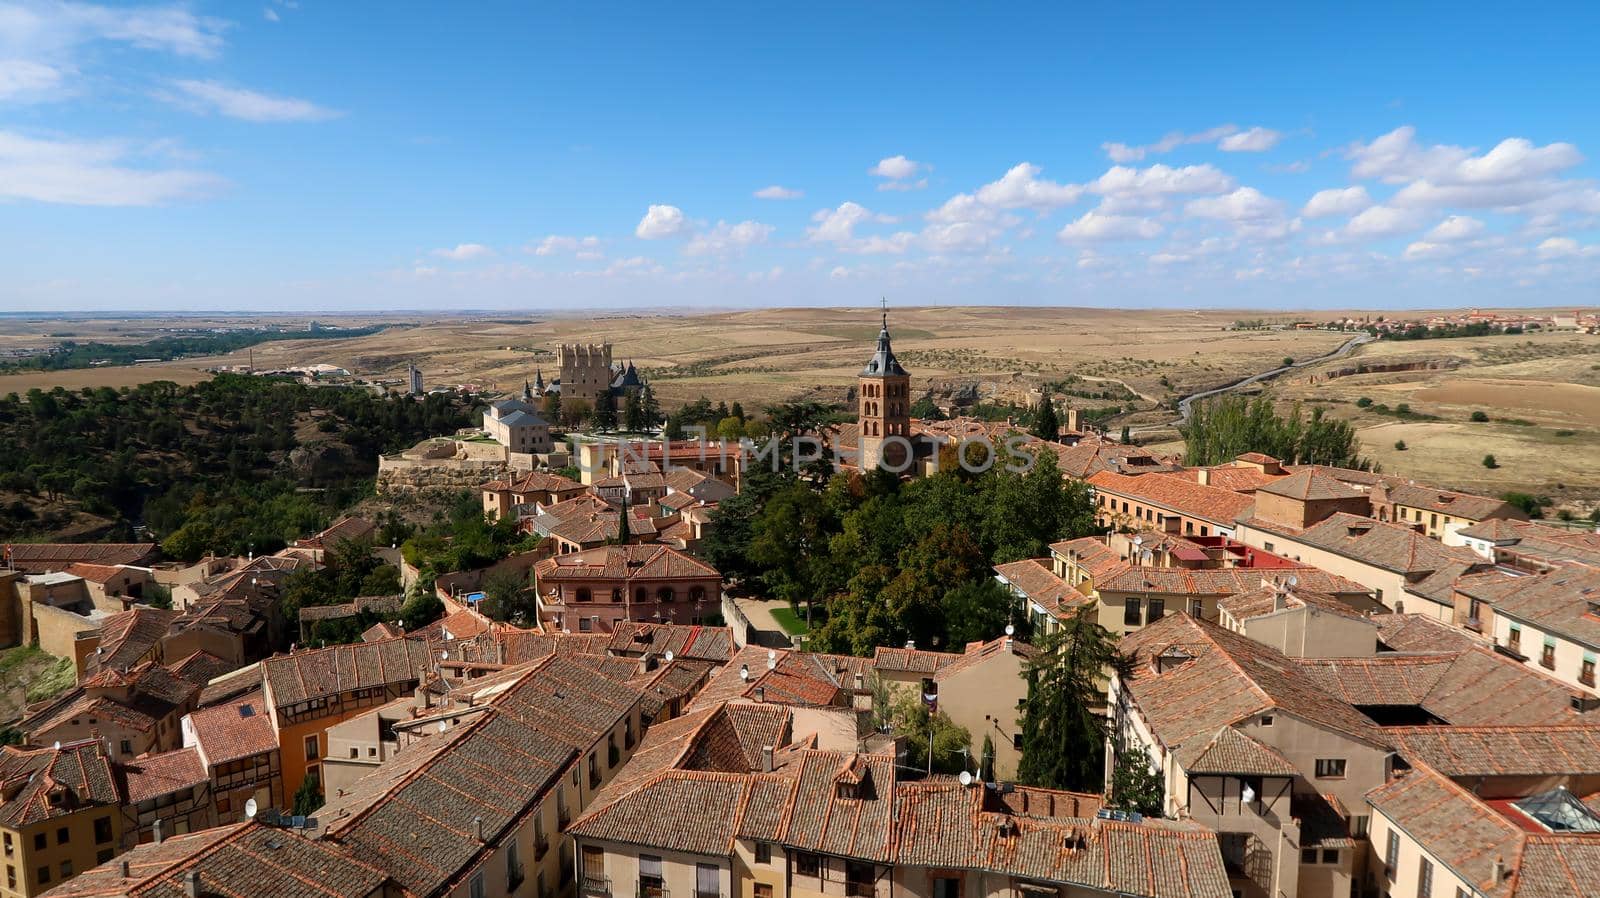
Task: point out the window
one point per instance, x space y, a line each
1158 609
707 881
1266 720
583 594
66 869
807 864
475 885
616 594
43 875
651 885
1391 855
1016 741
355 753
514 875
946 887
40 840
1425 879
1197 608
763 852
585 625
102 830
63 835
1330 855
641 595
1308 855
761 890
666 594
1514 638
1267 546
10 848
1130 613
127 747
1547 657
11 877
1330 768
312 748
1586 669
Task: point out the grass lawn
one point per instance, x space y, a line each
792 623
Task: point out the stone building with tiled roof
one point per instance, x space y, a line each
1439 513
58 813
1549 621
40 558
1167 502
597 589
134 711
169 792
1529 545
524 494
238 748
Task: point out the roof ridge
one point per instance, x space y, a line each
214 847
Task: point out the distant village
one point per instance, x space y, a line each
1335 683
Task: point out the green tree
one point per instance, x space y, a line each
421 609
1134 785
976 611
1490 462
1063 735
552 408
308 798
951 744
605 411
633 418
1480 416
1046 426
509 597
1400 445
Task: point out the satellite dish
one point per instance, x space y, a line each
444 655
744 672
1138 540
965 778
1293 581
1010 630
250 809
443 726
669 654
58 745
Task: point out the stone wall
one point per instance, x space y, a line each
404 475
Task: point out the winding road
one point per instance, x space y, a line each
1185 405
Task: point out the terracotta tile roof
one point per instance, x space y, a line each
682 480
1231 751
1260 458
1538 541
1421 633
1502 750
156 694
624 563
911 660
98 573
1218 581
1458 505
1564 601
463 624
376 604
683 641
1214 678
415 816
200 668
1359 480
1449 686
976 653
1092 455
163 774
1265 600
1239 478
346 528
691 810
1392 547
128 636
37 558
318 673
1034 578
380 631
828 675
1452 825
1174 493
535 482
238 729
237 860
1090 553
46 783
1310 486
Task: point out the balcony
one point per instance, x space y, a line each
515 877
599 886
860 889
648 889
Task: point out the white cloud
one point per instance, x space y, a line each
1381 221
1456 227
1228 138
270 14
660 222
918 184
55 29
249 105
896 168
777 192
1255 140
1397 158
1094 226
1424 250
1161 180
90 173
728 238
463 252
1021 188
1246 204
1564 248
1337 201
839 272
24 79
838 225
583 248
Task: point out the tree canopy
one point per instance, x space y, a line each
1221 429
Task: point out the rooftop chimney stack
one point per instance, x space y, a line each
156 834
766 759
125 872
191 883
477 826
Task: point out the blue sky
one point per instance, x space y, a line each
318 156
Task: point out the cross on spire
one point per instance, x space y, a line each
885 302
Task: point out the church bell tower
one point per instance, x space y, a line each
883 408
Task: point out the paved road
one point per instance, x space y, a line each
1186 404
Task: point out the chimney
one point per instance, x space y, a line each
477 827
124 869
761 694
1203 476
1501 871
156 834
191 883
861 681
766 759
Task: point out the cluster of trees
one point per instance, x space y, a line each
722 421
1224 428
878 561
210 468
350 569
1420 331
71 354
461 538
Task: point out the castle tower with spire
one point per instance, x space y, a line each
883 407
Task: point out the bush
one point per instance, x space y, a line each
1364 402
1489 462
1480 416
1400 445
1566 433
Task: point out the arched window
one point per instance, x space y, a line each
666 594
616 594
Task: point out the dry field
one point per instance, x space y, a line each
1541 394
